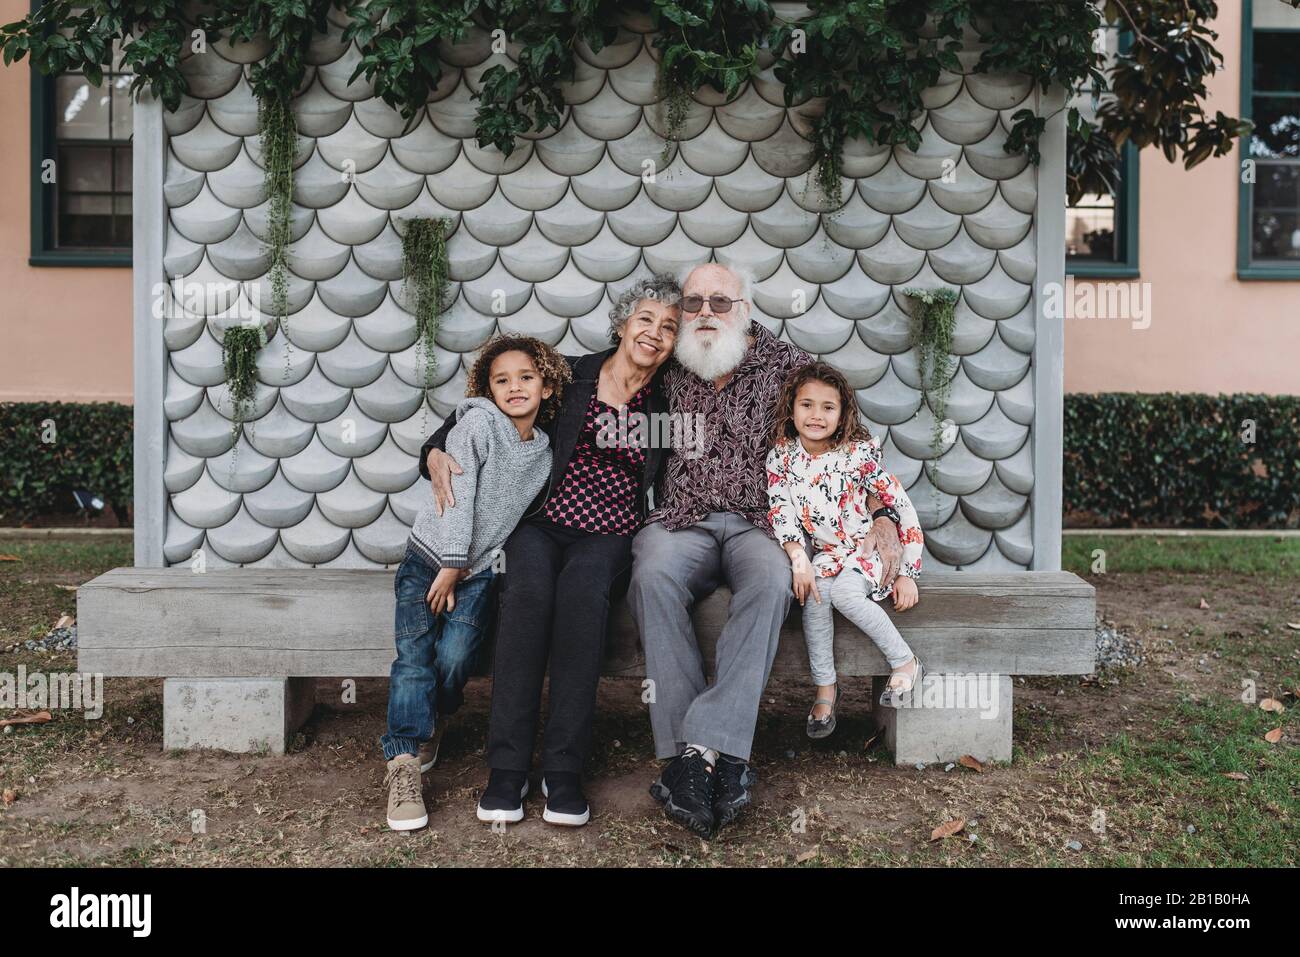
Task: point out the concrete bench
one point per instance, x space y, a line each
238 646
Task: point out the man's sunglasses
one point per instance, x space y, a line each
716 303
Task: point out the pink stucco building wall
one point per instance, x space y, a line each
67 331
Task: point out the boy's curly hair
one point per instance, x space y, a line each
552 366
850 427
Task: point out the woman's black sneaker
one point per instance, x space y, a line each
731 789
503 798
685 788
564 801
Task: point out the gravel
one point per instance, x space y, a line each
1116 649
59 639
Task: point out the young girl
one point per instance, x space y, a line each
821 473
443 584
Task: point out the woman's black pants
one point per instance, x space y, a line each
554 603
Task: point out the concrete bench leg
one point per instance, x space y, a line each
952 715
235 714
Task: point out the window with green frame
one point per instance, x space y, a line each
81 169
1101 232
1268 218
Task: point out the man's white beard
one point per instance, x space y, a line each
712 359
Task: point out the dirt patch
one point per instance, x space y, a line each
103 792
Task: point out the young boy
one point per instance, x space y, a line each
443 583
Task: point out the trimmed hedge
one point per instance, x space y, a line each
1131 459
1179 460
91 451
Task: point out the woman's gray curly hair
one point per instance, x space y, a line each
662 287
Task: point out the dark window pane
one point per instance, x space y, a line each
80 110
86 221
121 107
1277 60
1277 187
1090 231
1275 235
83 168
1277 127
122 169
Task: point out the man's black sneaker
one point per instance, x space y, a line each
564 801
503 798
685 788
731 789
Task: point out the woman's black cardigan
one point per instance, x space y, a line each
567 425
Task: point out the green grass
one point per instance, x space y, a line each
31 600
1278 557
1173 776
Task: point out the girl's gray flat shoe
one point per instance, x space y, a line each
818 728
900 695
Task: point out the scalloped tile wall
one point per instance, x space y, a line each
326 472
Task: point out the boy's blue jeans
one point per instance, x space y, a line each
434 655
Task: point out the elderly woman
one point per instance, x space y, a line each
563 560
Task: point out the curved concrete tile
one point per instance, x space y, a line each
209 75
205 504
314 541
675 254
425 150
352 434
381 257
855 295
784 154
927 225
351 292
888 400
966 191
279 433
181 541
315 469
1016 471
390 185
351 505
1018 401
534 258
998 225
892 190
891 261
570 152
963 120
387 469
352 221
957 541
315 398
570 293
856 225
641 222
1016 543
606 258
997 295
936 158
277 504
390 398
182 469
996 366
819 260
242 469
860 366
994 436
784 224
961 261
1018 331
205 219
750 252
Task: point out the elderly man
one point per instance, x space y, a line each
712 527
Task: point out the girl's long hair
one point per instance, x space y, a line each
850 428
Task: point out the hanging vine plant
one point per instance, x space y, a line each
426 279
239 348
934 316
279 138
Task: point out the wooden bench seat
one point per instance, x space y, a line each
245 627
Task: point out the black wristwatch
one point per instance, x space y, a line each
889 512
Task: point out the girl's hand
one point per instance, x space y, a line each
804 582
442 593
905 593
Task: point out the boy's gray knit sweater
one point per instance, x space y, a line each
502 474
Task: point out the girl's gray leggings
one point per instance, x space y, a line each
849 594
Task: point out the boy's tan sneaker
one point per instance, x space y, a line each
406 811
429 749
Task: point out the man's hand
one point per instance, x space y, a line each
905 594
804 583
885 535
442 593
441 467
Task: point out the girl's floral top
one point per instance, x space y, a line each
825 497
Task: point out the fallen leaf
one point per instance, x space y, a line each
1237 776
1259 468
65 621
39 717
1293 625
10 558
807 855
1274 736
875 736
9 796
947 830
1203 606
1272 704
183 839
966 761
68 587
